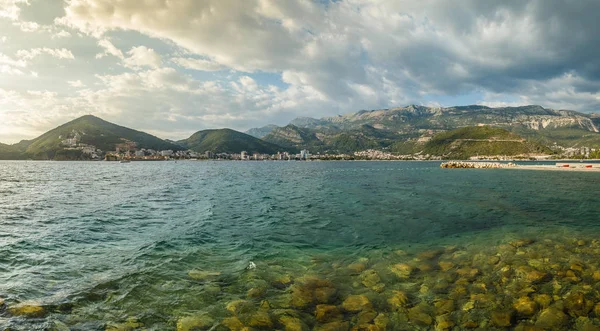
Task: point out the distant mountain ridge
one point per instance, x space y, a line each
412 123
227 141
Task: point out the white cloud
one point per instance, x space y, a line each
76 83
11 8
61 34
109 49
28 26
61 53
197 64
142 56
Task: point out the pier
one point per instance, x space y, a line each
559 166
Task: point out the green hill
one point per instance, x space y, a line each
481 140
227 141
10 152
294 138
90 130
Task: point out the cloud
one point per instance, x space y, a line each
61 53
109 49
11 8
197 64
261 61
76 83
142 56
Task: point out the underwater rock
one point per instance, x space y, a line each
502 318
398 299
402 270
327 313
334 326
493 260
382 321
444 322
420 315
357 268
233 323
521 243
444 306
596 275
195 323
130 325
370 278
577 305
301 297
256 292
597 309
530 275
1 303
365 317
430 254
356 303
238 307
27 309
525 307
544 300
468 273
551 318
446 265
282 281
259 319
325 294
203 275
292 324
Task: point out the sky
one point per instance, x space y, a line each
173 67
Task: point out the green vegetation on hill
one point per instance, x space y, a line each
481 140
92 131
10 152
227 141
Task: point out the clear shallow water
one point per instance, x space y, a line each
97 244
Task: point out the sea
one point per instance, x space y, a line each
278 245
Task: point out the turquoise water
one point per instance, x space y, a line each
101 245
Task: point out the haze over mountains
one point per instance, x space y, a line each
403 130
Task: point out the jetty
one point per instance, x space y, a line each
582 167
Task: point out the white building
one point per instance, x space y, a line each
166 153
139 153
244 155
304 155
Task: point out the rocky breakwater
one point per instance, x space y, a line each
476 165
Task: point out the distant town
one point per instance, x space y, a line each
128 150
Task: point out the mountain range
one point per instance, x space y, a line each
412 126
403 130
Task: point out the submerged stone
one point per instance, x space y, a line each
357 268
501 318
233 323
551 318
355 303
576 304
446 265
444 306
444 322
28 310
370 278
521 243
203 275
402 270
398 299
130 325
325 294
256 292
238 307
420 315
334 326
327 313
259 319
525 307
195 323
292 324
